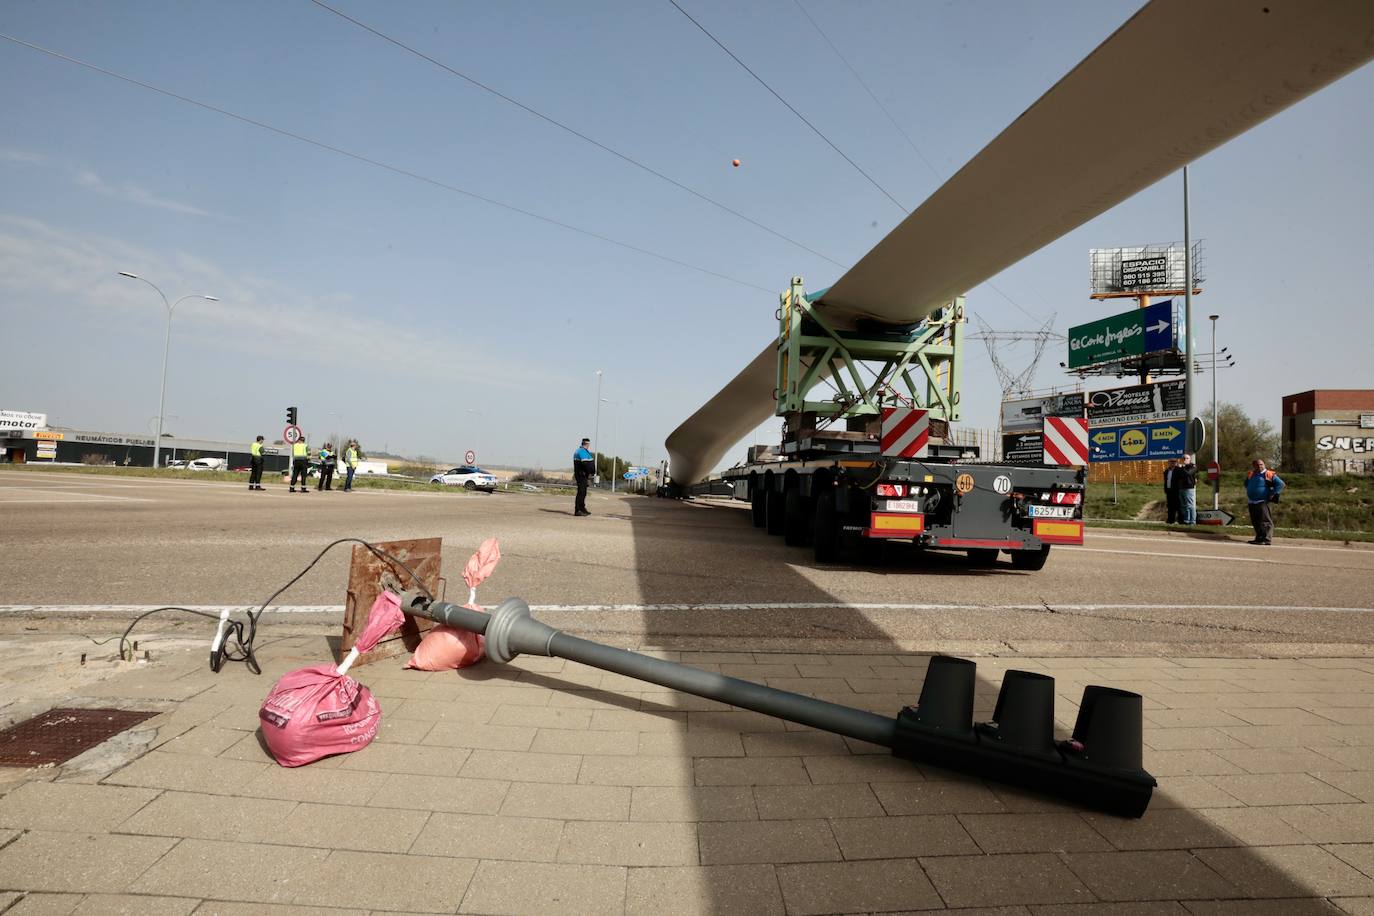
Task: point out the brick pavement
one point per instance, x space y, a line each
545 787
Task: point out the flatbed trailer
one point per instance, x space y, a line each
839 501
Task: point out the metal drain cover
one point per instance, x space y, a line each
58 735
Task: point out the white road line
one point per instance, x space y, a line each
53 501
1093 535
1182 556
95 609
64 494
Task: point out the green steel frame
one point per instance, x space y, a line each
916 366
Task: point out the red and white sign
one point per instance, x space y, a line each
905 432
469 457
1213 471
291 434
1066 440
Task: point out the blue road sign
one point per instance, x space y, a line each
1138 442
1159 327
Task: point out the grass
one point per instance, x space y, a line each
360 482
1328 508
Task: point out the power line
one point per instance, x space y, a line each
572 130
357 157
860 80
784 101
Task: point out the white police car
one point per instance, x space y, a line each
467 477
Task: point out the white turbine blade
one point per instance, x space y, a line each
1179 79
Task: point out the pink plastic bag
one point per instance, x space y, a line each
447 647
318 711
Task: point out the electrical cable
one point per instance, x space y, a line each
574 131
394 169
788 104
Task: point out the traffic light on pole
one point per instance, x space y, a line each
290 416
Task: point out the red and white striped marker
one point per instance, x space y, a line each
1066 440
905 432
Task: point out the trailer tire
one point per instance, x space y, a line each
773 511
796 519
758 505
983 556
1030 559
825 531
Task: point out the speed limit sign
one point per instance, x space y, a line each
469 457
292 434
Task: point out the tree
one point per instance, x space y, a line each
1240 440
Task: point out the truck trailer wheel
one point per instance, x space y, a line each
825 530
758 505
1030 559
773 511
796 519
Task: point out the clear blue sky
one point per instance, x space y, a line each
389 308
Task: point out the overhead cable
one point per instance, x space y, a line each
574 131
394 169
788 104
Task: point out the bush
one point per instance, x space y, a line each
531 475
95 458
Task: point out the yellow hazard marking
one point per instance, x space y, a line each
913 523
857 464
1058 529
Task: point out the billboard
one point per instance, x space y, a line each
1138 404
1138 442
1028 414
1023 448
1153 329
22 419
1143 270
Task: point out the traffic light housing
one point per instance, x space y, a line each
290 416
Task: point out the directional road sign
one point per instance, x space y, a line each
1135 443
1214 517
1133 333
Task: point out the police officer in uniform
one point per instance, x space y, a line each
327 462
300 465
255 465
584 469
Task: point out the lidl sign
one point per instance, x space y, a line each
1140 442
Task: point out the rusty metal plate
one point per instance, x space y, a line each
369 574
58 735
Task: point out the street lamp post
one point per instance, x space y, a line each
166 349
1216 444
596 433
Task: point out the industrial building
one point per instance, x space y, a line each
1329 431
74 446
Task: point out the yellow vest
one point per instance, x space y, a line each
300 450
256 449
351 457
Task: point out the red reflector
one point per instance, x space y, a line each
892 489
1066 497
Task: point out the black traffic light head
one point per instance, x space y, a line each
290 416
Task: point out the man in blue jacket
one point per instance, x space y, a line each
584 469
1262 487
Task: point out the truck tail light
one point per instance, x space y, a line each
1067 498
892 489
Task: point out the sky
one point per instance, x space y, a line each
461 288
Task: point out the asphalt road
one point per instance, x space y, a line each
644 571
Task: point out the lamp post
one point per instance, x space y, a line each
1216 444
615 432
596 433
166 349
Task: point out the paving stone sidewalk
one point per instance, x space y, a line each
548 787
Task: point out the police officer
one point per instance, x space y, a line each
255 465
351 463
327 461
300 465
584 469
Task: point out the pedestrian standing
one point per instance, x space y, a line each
327 462
255 465
351 455
300 465
584 469
1262 487
1185 479
1171 491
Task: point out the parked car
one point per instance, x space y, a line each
208 464
467 477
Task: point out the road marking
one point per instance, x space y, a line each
96 609
1182 556
1094 535
60 495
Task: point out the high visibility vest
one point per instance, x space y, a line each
300 450
351 457
256 449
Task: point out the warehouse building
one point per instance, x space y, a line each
1329 431
44 445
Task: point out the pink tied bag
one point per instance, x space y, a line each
319 711
447 647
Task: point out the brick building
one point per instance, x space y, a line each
1329 431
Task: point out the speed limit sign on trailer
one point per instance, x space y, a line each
292 434
469 457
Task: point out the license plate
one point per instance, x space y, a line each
903 505
1051 511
